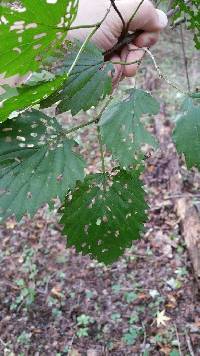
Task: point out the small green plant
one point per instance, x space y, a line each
116 317
116 288
29 267
56 313
134 318
27 284
130 297
82 332
26 296
131 336
83 322
174 352
24 338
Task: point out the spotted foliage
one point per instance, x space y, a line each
30 31
88 83
187 136
21 98
37 164
121 126
105 214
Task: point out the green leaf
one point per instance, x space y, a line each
121 128
31 31
108 220
187 136
8 93
88 83
130 337
190 11
37 164
28 95
195 95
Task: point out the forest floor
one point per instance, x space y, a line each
56 302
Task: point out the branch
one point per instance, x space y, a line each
102 156
131 37
173 12
132 17
123 33
185 59
87 40
93 121
162 75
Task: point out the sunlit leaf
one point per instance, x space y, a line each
30 30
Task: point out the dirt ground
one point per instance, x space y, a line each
54 301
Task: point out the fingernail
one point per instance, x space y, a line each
163 20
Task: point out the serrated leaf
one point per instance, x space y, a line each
27 96
30 31
37 164
104 223
88 83
121 127
187 136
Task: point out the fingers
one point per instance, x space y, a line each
147 17
147 39
131 54
118 70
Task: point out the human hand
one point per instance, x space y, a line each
148 19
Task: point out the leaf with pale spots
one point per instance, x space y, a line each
27 96
108 219
88 83
31 31
37 164
187 136
122 129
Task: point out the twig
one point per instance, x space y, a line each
81 126
189 344
102 157
173 12
87 40
178 22
133 15
182 195
125 63
185 59
48 281
131 37
3 343
90 122
123 33
81 26
163 76
145 337
178 340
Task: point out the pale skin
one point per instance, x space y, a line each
152 21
